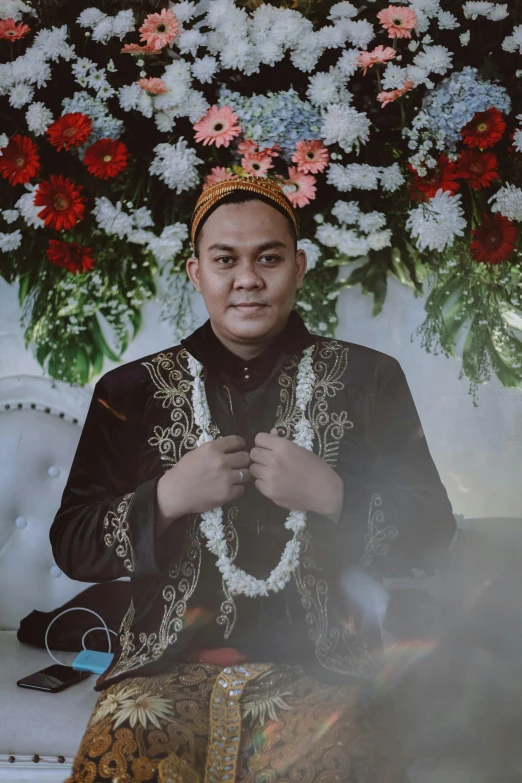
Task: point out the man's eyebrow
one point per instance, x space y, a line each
263 246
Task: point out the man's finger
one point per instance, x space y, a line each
261 456
231 443
262 487
257 471
265 441
238 459
274 431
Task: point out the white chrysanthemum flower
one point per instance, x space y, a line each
418 75
306 56
122 24
140 236
513 42
269 52
52 43
184 10
351 244
170 242
323 88
164 121
102 32
345 126
4 140
189 41
359 33
357 175
434 59
20 95
111 218
195 106
499 12
393 77
38 118
331 36
508 201
142 217
313 252
493 11
13 9
145 104
90 17
9 242
234 55
391 177
128 96
517 140
346 212
464 38
27 209
328 234
435 224
447 21
175 164
10 215
82 67
347 63
378 240
343 10
371 221
204 68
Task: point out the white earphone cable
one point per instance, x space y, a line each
83 609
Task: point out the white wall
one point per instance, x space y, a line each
478 451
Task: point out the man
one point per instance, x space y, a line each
245 480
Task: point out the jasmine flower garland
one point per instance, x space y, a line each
237 580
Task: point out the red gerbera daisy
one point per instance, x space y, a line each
485 129
19 161
70 130
106 158
62 202
13 31
480 168
70 255
444 176
494 241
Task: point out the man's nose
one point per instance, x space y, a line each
247 276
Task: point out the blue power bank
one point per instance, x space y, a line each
92 661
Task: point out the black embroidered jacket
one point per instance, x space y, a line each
140 423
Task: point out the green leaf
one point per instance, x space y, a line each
100 342
454 320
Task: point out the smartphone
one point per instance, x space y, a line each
53 678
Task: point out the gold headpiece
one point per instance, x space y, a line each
261 185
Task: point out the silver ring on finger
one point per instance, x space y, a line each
241 475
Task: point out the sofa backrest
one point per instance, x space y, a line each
40 425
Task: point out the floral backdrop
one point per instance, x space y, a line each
393 129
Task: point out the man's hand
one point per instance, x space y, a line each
204 478
294 477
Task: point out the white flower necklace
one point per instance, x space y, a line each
237 580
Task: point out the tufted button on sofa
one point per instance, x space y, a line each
40 424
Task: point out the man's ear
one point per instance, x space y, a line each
300 264
193 272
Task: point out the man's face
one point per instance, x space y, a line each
247 272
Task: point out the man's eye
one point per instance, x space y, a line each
270 259
224 260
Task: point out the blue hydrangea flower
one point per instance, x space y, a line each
454 102
275 118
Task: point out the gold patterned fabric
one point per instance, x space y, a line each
249 723
260 185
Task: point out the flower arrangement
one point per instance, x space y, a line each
391 127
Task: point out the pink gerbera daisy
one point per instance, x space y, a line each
299 188
153 86
218 126
159 30
137 49
398 21
311 156
257 163
217 174
379 55
246 146
388 96
13 31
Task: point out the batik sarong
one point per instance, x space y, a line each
248 723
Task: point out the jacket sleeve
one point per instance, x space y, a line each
396 512
105 526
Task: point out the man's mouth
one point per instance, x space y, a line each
249 305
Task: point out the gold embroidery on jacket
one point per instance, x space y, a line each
119 531
378 538
228 608
340 650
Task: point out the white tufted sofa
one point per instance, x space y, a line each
40 424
